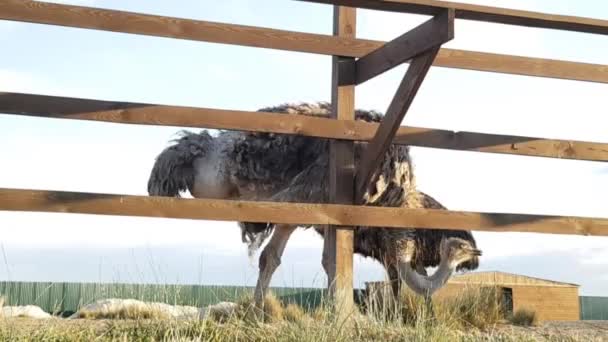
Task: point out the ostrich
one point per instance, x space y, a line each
292 168
389 246
454 251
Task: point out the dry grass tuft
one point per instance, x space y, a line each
273 309
320 313
294 313
137 313
479 307
220 315
474 307
524 317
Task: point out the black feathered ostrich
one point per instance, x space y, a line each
292 168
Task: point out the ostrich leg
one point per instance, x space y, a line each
270 259
395 280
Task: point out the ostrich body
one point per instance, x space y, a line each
292 168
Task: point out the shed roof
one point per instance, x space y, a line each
503 278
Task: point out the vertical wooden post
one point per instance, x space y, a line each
338 247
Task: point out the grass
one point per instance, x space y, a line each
143 313
474 307
471 316
235 330
524 317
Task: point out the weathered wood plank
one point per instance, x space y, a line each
523 66
205 31
403 98
167 115
152 114
338 241
505 144
293 213
434 32
483 13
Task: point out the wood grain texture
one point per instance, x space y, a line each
293 213
523 66
505 144
213 32
338 240
504 278
483 13
550 304
434 32
402 100
153 114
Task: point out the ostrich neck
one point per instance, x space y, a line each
428 285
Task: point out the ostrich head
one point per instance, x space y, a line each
457 251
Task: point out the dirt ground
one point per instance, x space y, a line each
547 331
563 331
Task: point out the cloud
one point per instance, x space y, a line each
189 264
597 256
501 245
603 171
469 35
7 27
171 263
19 81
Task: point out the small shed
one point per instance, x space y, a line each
551 300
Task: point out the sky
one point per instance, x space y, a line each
85 156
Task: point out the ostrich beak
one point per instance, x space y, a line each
476 252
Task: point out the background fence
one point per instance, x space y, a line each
68 297
594 308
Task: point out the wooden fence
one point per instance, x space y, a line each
354 62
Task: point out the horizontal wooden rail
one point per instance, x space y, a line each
506 144
160 26
150 114
482 13
292 213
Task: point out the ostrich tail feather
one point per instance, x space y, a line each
173 170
